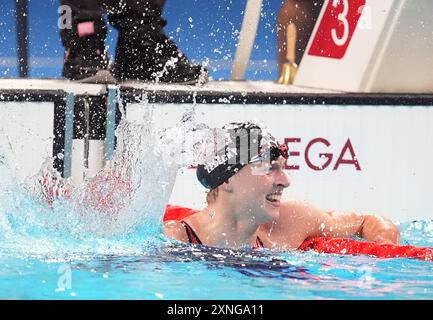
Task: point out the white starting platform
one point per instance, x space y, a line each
371 46
365 152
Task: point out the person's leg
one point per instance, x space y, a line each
85 54
143 50
304 14
124 14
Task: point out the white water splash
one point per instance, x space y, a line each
119 210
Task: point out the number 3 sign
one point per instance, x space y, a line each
370 46
336 28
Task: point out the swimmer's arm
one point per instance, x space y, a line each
380 230
175 230
342 225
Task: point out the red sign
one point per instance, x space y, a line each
336 28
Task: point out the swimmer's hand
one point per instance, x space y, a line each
380 230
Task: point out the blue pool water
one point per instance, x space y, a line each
41 261
74 249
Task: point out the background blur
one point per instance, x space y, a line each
205 30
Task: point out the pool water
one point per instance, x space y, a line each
76 249
41 262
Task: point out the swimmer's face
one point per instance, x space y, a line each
258 188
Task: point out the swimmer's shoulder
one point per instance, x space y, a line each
292 227
174 229
296 209
295 213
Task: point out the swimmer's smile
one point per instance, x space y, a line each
274 198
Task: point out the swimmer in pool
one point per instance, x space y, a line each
246 180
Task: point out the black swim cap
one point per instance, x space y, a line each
244 143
